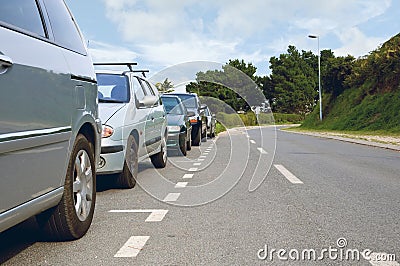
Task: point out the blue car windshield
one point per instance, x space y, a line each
172 106
113 88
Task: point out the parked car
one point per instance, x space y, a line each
179 126
49 128
211 120
134 124
198 120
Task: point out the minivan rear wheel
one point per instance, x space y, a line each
72 217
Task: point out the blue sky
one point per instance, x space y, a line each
161 33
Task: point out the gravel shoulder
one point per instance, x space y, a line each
386 142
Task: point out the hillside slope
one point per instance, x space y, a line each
371 101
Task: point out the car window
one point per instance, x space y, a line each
172 106
188 100
112 88
140 92
146 87
23 14
150 87
65 30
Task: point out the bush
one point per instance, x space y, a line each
249 119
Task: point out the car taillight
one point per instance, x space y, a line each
193 120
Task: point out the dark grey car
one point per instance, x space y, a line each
179 126
198 120
49 127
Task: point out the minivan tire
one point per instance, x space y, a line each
72 217
127 178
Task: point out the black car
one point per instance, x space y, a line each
198 120
179 126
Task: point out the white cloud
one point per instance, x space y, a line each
356 43
102 52
174 31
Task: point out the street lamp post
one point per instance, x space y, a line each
319 76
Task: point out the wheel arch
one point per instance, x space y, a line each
135 135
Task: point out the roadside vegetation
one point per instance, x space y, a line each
360 95
369 101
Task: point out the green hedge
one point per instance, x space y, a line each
249 119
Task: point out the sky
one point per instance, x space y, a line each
162 33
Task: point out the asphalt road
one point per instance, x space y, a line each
242 199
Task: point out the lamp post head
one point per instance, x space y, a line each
313 36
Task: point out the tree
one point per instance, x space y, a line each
164 87
294 81
234 84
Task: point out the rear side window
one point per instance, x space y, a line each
23 14
64 28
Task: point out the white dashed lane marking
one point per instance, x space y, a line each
187 176
252 141
289 176
181 184
193 169
262 151
196 164
155 215
132 247
172 197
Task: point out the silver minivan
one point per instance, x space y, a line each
49 126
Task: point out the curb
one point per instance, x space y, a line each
356 141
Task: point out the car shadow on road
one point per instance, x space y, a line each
18 238
107 182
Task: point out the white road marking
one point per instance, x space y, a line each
132 247
200 160
196 164
193 169
252 141
202 156
155 215
289 176
262 151
377 259
187 176
172 197
181 184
